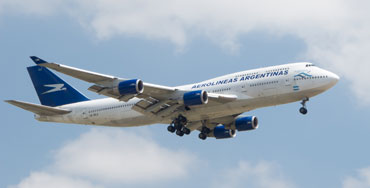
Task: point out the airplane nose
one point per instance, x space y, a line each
333 78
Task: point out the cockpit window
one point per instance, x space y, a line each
310 65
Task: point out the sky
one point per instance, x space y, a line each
180 42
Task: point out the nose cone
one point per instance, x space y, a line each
333 78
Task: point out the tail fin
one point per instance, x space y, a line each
52 90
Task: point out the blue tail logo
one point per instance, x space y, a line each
52 90
55 87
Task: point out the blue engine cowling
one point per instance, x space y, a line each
246 123
220 132
130 87
195 98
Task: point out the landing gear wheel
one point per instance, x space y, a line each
171 129
205 130
186 131
202 136
303 110
179 133
182 119
177 125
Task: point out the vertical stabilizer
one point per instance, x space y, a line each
52 90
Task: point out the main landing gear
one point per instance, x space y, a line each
204 132
303 109
178 125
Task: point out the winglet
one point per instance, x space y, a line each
37 60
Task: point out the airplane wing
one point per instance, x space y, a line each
156 100
87 76
102 82
38 109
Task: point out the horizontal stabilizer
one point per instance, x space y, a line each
38 109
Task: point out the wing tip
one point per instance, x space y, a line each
37 60
12 102
9 101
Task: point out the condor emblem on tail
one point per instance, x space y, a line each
56 87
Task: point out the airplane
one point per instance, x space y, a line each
214 107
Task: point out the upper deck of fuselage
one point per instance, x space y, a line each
274 70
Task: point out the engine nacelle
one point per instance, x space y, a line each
220 132
130 87
246 123
195 98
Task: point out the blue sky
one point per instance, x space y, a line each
175 43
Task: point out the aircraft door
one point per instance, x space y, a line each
85 115
244 88
287 81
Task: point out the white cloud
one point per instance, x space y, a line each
47 180
336 31
262 175
109 158
106 158
121 157
361 181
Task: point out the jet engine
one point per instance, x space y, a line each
246 123
130 87
195 98
220 132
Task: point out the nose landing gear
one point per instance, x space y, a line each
303 109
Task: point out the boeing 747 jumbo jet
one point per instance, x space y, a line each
213 107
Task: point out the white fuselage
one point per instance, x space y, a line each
254 89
